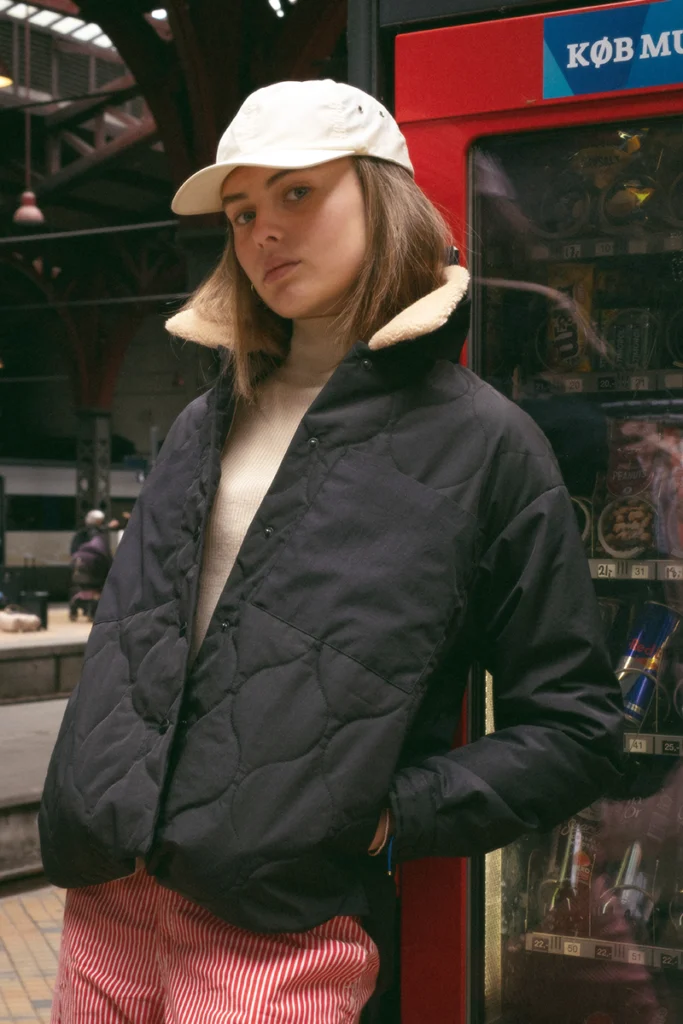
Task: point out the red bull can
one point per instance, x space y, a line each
652 629
638 689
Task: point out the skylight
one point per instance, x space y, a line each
103 41
45 18
87 33
67 25
160 14
4 4
21 11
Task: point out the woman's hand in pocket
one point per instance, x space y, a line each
382 833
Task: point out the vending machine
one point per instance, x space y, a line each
554 144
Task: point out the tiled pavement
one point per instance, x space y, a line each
30 929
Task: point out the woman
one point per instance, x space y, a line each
328 540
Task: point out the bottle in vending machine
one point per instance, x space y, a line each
634 897
564 894
676 899
634 893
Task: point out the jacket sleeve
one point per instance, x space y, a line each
557 705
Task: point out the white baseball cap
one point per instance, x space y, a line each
295 124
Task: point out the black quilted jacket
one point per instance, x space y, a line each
418 522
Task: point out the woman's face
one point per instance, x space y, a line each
299 235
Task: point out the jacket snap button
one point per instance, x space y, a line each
269 531
225 626
313 442
182 629
367 364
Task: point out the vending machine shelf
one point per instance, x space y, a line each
596 949
605 246
653 743
646 570
604 383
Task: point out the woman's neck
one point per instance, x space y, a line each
314 352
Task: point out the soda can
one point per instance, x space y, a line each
651 631
638 689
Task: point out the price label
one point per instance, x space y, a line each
603 952
604 248
639 384
637 245
541 385
673 380
673 572
539 944
572 949
669 961
540 252
636 744
636 956
607 383
640 571
573 384
572 251
606 570
671 747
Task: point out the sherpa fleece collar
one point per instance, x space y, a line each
422 317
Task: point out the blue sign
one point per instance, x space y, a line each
610 50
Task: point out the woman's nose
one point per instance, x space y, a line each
265 230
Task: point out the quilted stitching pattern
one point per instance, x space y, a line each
254 785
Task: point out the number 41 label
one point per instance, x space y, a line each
637 744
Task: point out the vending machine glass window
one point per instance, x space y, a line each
576 245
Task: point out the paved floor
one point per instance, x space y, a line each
27 736
59 630
30 923
30 929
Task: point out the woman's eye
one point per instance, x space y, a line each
298 192
243 217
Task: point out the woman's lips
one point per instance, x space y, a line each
278 272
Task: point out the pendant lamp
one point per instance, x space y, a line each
28 211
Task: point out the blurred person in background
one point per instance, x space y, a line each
328 540
90 563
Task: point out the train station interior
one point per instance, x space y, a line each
105 108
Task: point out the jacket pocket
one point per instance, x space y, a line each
372 568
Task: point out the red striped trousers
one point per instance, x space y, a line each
134 952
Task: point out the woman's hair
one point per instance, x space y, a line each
404 259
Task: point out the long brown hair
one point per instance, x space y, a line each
404 259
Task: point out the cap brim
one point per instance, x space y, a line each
201 193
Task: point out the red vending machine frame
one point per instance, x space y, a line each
454 86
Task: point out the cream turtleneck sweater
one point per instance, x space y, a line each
260 434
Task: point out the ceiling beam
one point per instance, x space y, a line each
309 34
117 91
63 6
155 66
137 179
124 143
